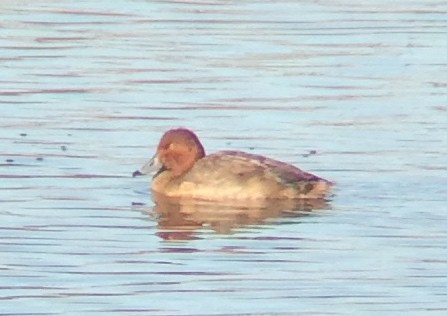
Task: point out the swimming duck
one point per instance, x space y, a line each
184 171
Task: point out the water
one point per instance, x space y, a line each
87 89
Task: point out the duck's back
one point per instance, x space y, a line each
239 175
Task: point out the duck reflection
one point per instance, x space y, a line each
178 219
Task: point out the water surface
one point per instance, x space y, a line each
87 89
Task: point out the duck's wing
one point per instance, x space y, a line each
238 164
281 169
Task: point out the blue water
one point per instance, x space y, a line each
87 89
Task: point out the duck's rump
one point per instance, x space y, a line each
240 175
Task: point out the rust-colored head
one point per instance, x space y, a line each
178 150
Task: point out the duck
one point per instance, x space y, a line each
181 169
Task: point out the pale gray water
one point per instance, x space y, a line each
88 87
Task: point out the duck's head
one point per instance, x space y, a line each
177 152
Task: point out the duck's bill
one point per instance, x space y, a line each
150 168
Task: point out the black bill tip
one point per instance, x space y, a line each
136 173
